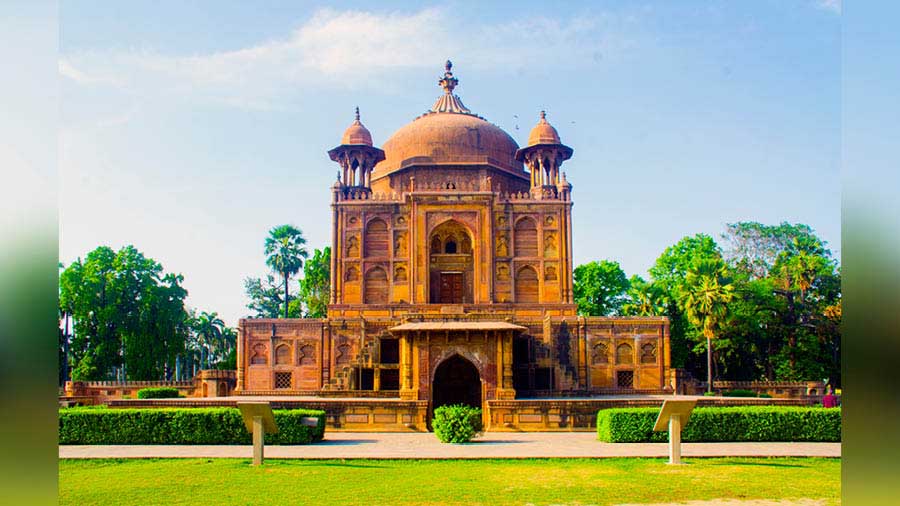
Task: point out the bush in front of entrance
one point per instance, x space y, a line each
457 423
183 426
724 424
157 393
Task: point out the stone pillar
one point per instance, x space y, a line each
239 354
407 391
505 388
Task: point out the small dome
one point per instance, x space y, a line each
356 133
543 133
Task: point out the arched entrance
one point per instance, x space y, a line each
451 268
456 381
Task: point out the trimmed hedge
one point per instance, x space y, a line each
457 423
740 423
182 426
157 393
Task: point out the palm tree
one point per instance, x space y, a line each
708 293
208 327
285 251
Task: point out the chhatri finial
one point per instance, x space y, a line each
357 113
448 82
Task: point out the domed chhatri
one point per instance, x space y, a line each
357 133
356 155
543 133
543 156
451 253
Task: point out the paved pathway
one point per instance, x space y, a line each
381 445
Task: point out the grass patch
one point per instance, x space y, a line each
453 482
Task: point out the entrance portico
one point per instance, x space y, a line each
440 361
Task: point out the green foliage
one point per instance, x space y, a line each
266 298
186 426
743 423
782 322
600 288
230 362
456 423
157 393
643 298
285 251
126 313
315 287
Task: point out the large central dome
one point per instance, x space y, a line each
449 134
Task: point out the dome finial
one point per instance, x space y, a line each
448 82
357 113
544 116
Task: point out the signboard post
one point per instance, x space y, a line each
259 419
674 415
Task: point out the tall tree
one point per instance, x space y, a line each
129 318
285 251
208 328
599 288
668 275
315 287
707 296
754 247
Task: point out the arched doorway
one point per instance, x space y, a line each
456 381
451 268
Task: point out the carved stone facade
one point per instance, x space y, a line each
451 278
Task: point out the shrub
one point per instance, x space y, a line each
765 395
457 423
740 423
186 426
709 394
738 393
157 393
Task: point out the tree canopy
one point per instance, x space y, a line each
129 318
599 288
779 320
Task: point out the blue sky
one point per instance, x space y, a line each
190 129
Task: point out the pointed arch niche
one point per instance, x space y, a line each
451 264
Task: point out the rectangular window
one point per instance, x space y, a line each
390 351
390 379
625 379
282 380
367 379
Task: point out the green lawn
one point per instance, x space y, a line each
455 482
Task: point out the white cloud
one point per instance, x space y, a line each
344 48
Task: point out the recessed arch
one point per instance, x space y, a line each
624 354
527 285
377 240
282 354
525 243
376 289
456 381
451 263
